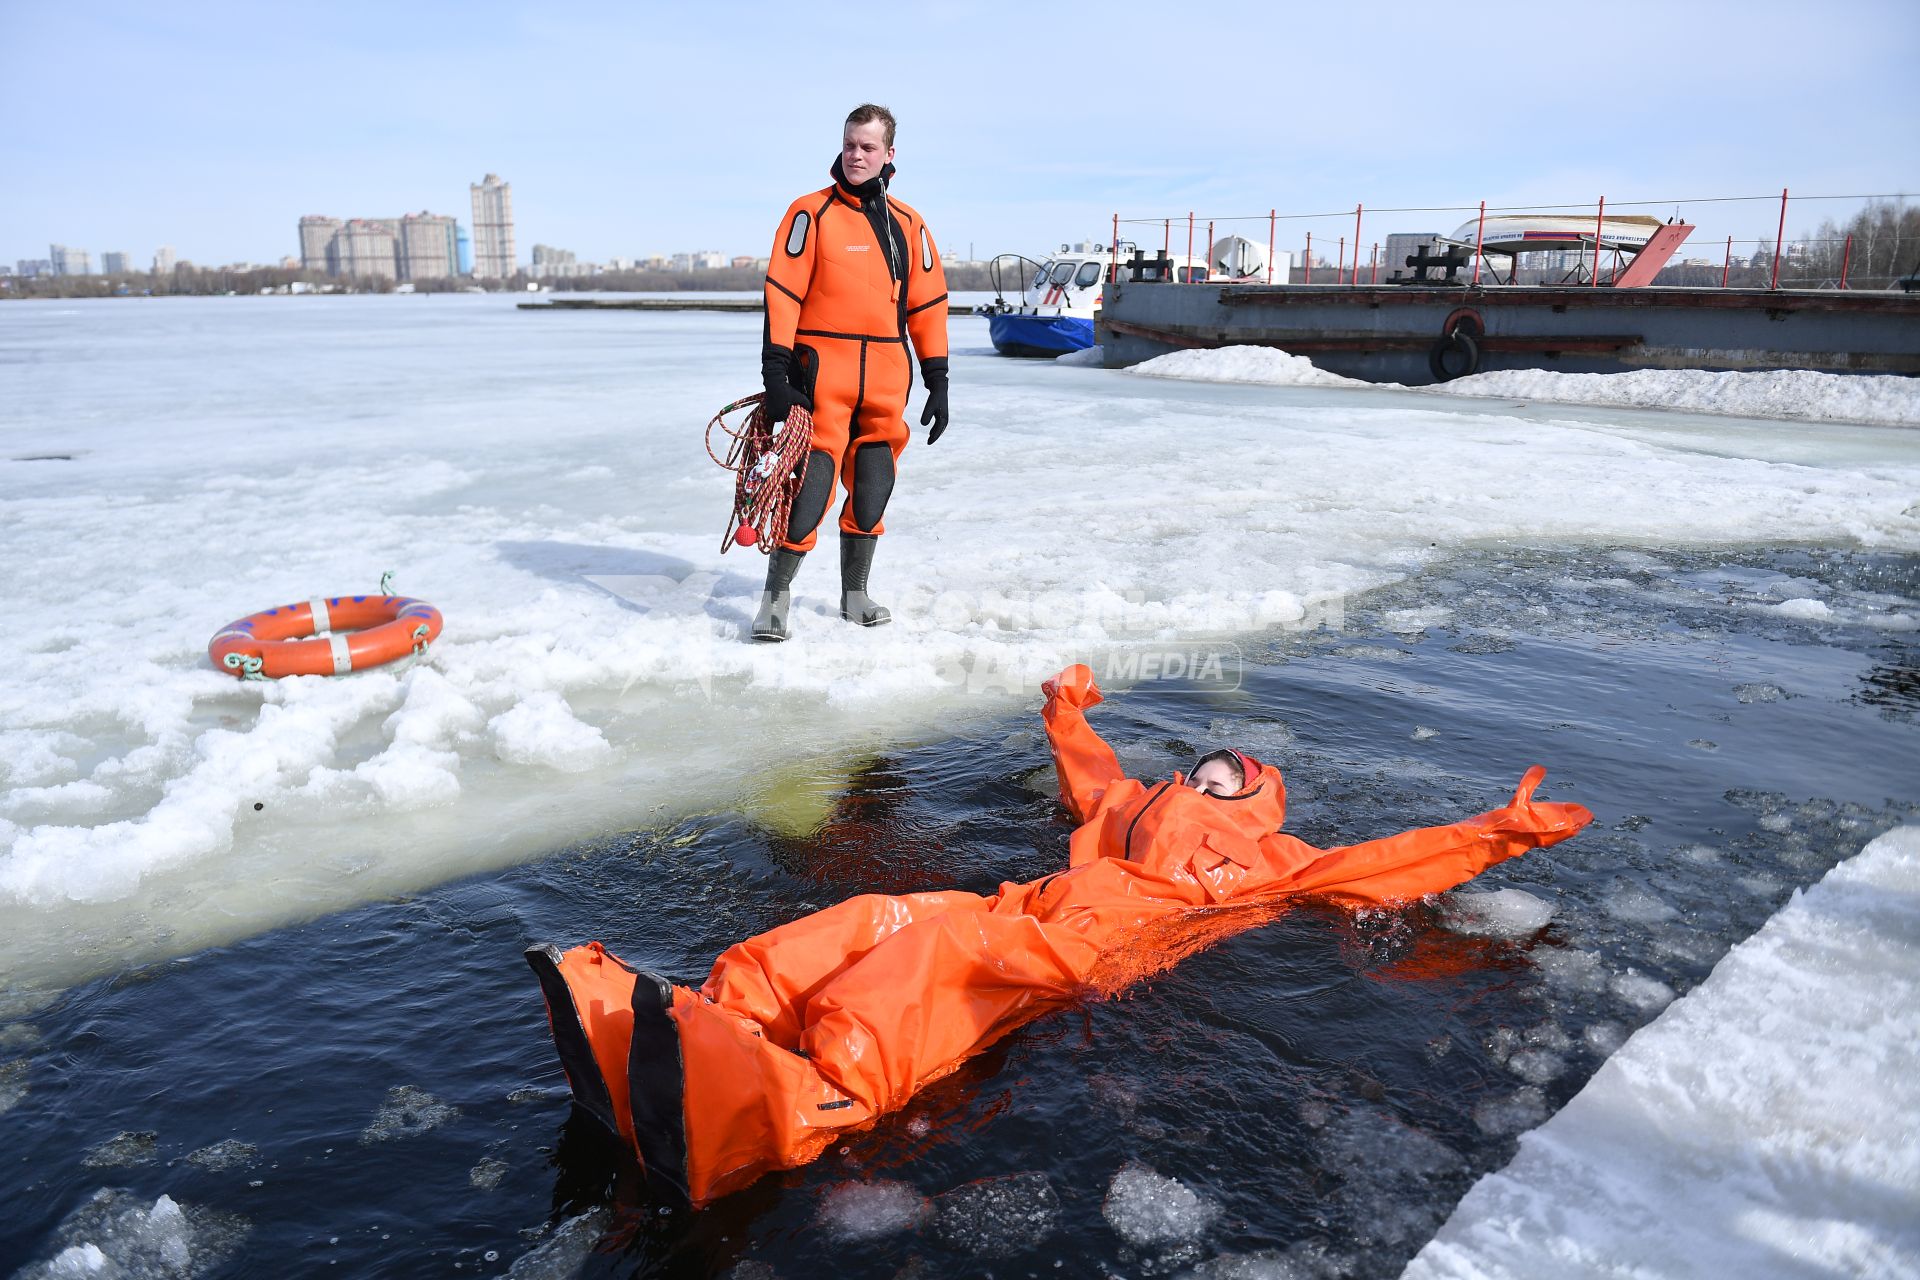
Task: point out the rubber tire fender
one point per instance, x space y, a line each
1459 344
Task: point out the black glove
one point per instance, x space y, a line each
776 379
933 372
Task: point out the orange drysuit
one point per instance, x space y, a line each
853 275
822 1024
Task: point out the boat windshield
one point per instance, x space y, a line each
1063 271
1089 274
1040 276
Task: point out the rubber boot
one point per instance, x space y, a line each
770 624
856 558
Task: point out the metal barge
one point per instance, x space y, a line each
1424 333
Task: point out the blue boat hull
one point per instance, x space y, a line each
1046 336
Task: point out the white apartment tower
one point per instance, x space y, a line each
163 260
493 256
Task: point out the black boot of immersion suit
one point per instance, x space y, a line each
771 622
856 558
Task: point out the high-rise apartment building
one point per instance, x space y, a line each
163 260
114 264
317 249
493 254
368 247
70 262
429 248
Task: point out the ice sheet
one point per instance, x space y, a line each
1766 1124
541 479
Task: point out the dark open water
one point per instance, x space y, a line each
374 1094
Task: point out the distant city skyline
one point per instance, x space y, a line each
1018 129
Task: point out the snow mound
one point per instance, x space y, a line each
1263 365
1792 1147
1094 356
1774 393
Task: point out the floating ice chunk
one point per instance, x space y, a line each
487 1174
541 729
561 1255
1703 744
1778 823
1639 906
1572 970
124 1150
1421 733
1389 1172
230 1154
1498 913
1803 608
996 1217
1265 1265
1145 1208
117 1235
407 1112
870 1210
1758 692
1641 991
79 1260
1407 622
1604 1038
1519 1111
1093 355
1263 365
13 1084
1537 1066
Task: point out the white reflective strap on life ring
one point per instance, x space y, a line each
321 621
342 660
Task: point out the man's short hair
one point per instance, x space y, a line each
868 112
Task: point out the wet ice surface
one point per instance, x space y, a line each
1791 1148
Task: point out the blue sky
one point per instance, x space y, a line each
640 128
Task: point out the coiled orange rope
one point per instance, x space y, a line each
766 460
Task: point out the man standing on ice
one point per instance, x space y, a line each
854 275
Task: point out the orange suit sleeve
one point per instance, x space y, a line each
926 296
790 271
1082 758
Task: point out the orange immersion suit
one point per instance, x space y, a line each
827 1022
853 275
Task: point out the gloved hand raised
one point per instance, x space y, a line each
933 372
776 379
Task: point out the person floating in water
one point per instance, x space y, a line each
836 1018
853 275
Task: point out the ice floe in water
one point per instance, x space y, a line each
1496 913
487 1174
1791 1148
13 1084
229 1154
407 1112
997 1217
116 1235
1146 1208
561 1255
124 1150
870 1210
1512 1113
1388 1172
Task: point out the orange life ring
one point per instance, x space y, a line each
361 632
